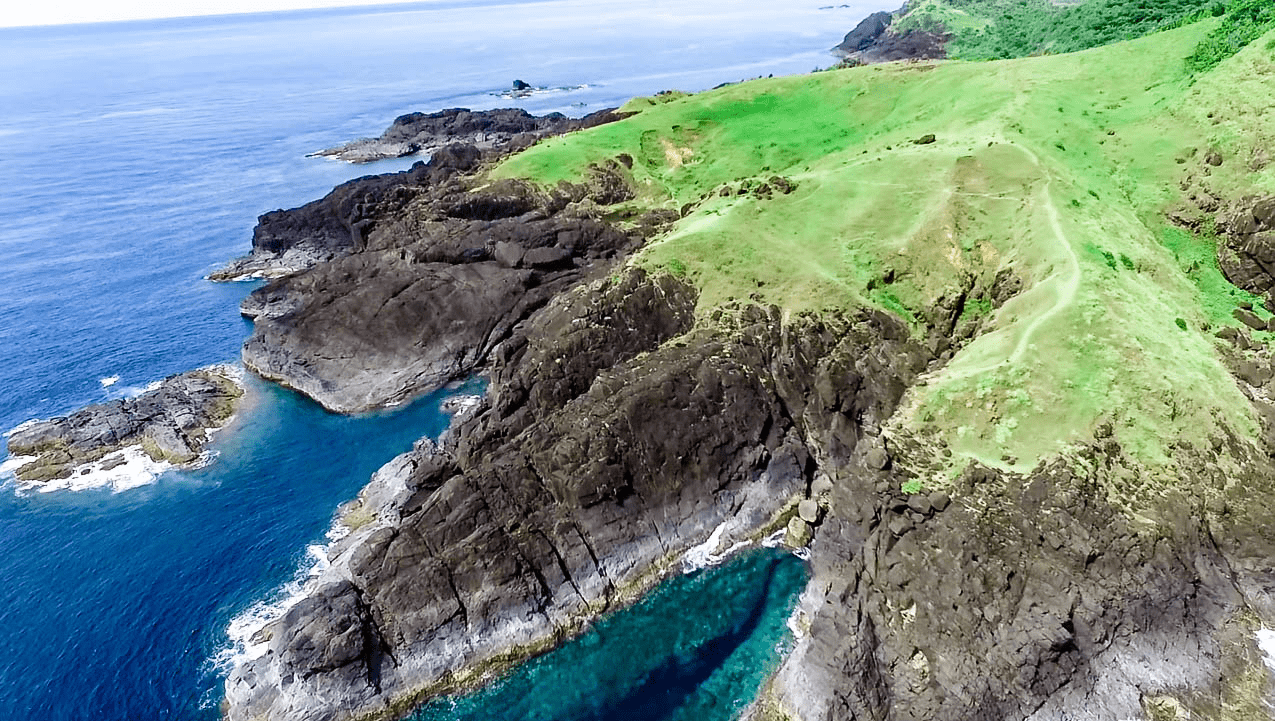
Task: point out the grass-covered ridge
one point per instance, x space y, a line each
1058 169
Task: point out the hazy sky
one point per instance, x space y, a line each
58 12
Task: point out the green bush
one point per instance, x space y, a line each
1244 22
1033 27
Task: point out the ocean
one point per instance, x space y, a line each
136 157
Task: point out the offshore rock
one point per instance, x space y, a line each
169 422
616 436
508 128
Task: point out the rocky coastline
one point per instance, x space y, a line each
168 424
620 431
425 133
876 40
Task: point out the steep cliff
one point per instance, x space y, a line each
932 317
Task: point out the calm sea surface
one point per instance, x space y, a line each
134 159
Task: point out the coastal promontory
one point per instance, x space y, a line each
962 328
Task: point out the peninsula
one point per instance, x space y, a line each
992 340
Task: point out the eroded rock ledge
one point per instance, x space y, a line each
170 423
437 286
340 223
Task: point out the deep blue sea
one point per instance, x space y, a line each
134 159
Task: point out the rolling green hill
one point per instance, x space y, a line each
823 192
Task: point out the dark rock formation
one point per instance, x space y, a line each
875 41
287 241
434 287
1037 600
865 34
428 132
459 141
615 437
169 423
1247 254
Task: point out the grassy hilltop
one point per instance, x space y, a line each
823 192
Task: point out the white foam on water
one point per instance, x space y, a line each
776 539
131 114
21 427
705 555
13 463
246 640
1266 642
134 469
460 405
108 381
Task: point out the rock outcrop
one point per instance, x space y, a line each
507 128
458 141
616 435
875 40
1037 600
170 423
433 288
1247 254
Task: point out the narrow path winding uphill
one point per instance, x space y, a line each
1063 283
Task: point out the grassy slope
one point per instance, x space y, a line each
1059 168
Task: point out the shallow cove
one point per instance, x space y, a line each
698 647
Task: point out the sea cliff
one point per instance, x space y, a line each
984 360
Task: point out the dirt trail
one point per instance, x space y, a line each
1064 283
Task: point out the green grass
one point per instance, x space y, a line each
1196 256
1060 168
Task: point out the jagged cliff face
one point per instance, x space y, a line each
615 436
1040 496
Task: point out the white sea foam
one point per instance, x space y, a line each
134 469
246 640
776 539
21 426
462 404
132 114
1266 642
705 555
108 381
13 463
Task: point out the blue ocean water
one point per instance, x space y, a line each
135 158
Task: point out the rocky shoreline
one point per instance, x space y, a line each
621 431
507 129
169 425
875 40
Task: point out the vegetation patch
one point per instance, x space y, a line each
1057 169
1244 21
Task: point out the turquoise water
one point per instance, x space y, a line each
647 663
135 158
